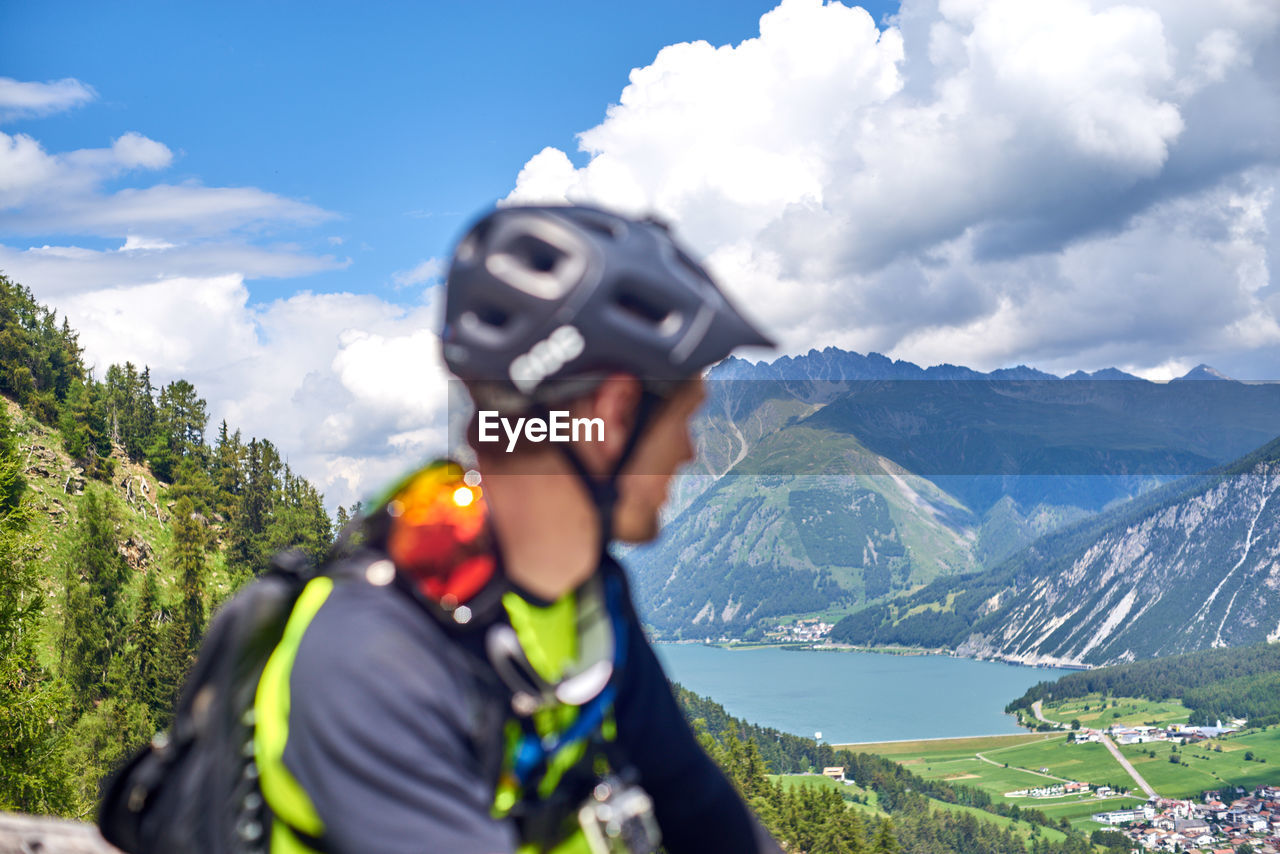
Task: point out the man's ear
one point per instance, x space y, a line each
614 402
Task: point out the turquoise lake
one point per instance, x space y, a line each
855 696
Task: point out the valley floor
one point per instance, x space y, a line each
1028 769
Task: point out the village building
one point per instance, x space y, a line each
1211 825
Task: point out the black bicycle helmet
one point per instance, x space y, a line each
543 302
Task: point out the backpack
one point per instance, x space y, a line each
181 792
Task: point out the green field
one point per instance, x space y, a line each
1202 767
981 763
1094 712
1001 764
1078 813
1090 763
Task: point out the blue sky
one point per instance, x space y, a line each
259 197
402 119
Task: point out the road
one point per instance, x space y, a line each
1111 745
1035 709
1128 766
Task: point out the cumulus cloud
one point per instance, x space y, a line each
30 176
1072 183
27 98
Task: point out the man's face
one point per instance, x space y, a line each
666 445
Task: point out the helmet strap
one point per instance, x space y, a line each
604 492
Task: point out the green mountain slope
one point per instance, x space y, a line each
121 528
756 546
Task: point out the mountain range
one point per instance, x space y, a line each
833 480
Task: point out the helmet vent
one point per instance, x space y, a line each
537 255
536 266
491 315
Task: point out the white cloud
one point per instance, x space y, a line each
986 181
33 178
137 242
174 211
59 270
135 151
21 98
44 193
423 273
23 167
179 325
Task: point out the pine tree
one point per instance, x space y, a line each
298 519
131 408
84 425
144 405
189 561
261 489
144 676
227 471
95 575
885 841
38 360
183 414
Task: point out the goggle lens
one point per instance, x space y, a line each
439 533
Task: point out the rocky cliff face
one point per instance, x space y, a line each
1192 573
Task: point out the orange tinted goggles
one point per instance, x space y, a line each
439 534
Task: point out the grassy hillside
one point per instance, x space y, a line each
121 573
121 528
1093 711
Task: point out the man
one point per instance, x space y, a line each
475 680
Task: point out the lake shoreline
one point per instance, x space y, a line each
909 651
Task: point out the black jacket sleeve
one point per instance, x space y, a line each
697 807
